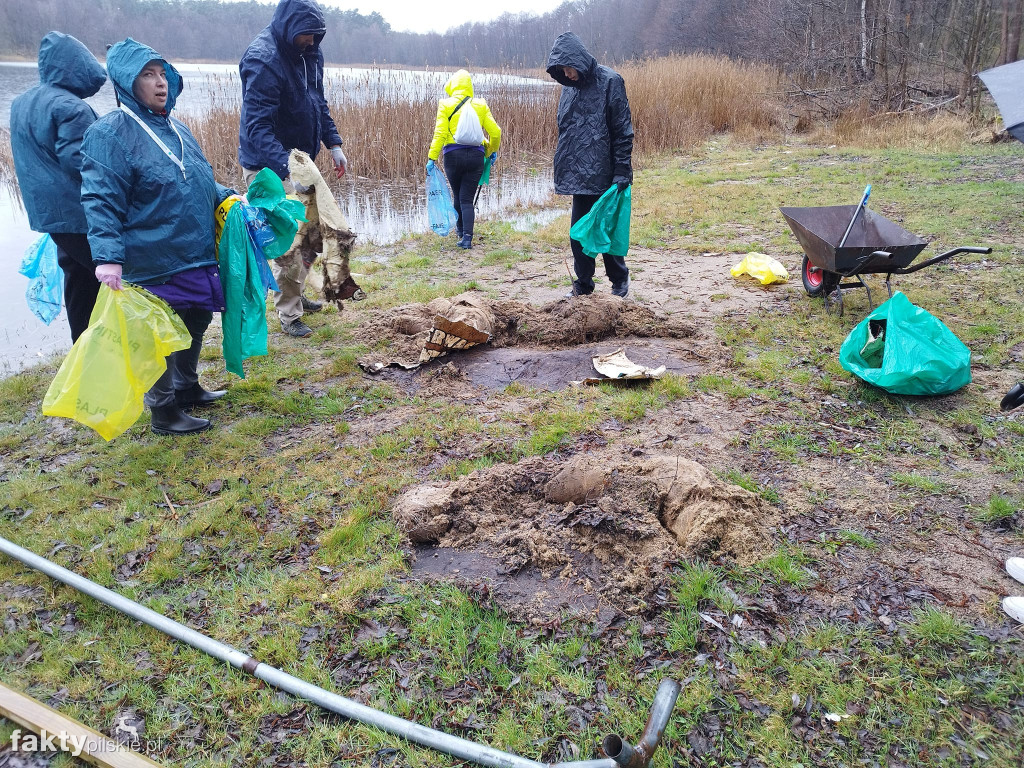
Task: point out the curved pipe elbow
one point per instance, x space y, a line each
640 756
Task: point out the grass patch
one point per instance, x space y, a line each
917 482
999 509
787 567
766 492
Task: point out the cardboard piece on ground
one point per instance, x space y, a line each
616 367
460 323
96 748
325 216
447 335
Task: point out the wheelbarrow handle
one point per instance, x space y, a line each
942 257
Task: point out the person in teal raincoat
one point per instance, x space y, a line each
149 197
48 123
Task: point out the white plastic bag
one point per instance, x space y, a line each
469 131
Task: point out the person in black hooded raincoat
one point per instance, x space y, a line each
595 147
284 108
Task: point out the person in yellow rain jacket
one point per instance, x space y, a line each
463 163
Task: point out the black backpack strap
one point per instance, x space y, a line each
457 108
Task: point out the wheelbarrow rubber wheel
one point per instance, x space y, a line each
818 282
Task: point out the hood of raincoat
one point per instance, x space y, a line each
297 17
125 60
68 64
569 51
460 85
47 126
595 128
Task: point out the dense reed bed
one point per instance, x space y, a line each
679 101
387 118
387 122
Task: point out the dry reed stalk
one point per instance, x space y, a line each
8 179
943 131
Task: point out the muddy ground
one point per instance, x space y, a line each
537 555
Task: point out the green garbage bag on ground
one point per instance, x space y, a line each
907 351
605 229
114 363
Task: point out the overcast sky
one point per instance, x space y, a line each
426 16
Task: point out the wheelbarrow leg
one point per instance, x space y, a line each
871 304
888 283
834 302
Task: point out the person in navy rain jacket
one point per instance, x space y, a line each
47 126
284 108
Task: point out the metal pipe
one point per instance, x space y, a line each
942 257
428 737
640 756
856 213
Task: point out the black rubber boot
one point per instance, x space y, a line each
1014 398
197 396
171 420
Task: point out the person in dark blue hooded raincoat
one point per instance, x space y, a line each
595 147
47 126
149 197
284 108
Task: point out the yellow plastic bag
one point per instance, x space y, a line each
114 363
762 267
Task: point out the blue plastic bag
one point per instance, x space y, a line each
45 292
907 351
261 236
440 210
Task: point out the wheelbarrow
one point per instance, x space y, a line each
873 245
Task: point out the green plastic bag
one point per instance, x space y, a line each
283 213
605 229
485 177
907 351
244 320
116 360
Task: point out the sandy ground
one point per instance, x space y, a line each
925 550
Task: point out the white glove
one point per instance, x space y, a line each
109 275
340 161
300 189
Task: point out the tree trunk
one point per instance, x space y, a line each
1014 20
1004 32
864 37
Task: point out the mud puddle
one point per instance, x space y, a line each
493 369
597 530
550 595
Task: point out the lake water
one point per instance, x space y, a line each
379 213
209 84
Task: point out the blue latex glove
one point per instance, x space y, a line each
430 164
494 158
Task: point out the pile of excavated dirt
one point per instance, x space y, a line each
595 531
398 334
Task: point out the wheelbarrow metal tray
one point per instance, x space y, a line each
820 230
